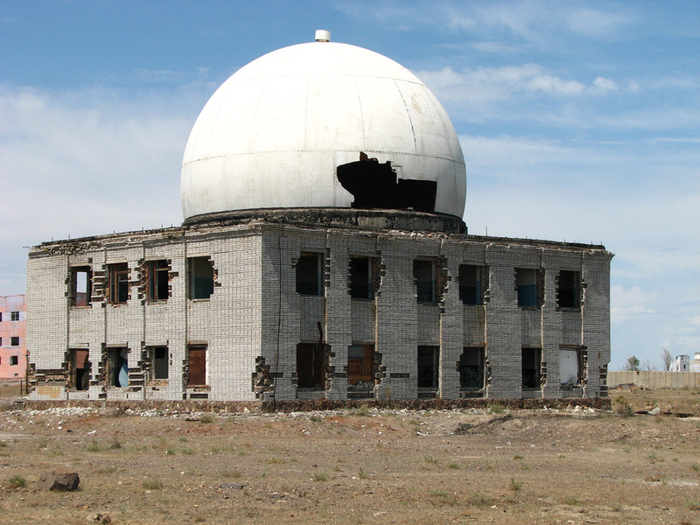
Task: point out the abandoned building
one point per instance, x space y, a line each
322 256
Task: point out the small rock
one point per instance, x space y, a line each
654 411
232 485
61 479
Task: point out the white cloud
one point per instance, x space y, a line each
628 302
80 164
603 85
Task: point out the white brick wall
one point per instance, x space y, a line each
255 310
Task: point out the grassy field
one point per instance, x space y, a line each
572 466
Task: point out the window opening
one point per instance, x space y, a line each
361 282
201 277
428 366
472 283
14 341
81 286
569 366
80 369
197 365
157 272
160 362
14 316
309 274
527 284
531 364
471 368
424 276
311 366
360 364
118 367
14 360
568 289
118 283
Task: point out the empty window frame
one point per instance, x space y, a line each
80 286
311 366
201 272
309 272
528 284
14 360
531 366
362 285
14 316
118 367
569 366
471 368
14 341
428 366
360 364
425 279
197 360
79 369
569 289
473 281
118 276
160 361
157 277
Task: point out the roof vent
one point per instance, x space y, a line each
323 36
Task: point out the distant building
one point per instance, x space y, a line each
13 350
681 364
323 256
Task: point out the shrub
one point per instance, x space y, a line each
206 418
515 485
320 476
16 482
152 484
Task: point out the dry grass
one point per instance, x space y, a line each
358 466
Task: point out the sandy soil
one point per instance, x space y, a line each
358 466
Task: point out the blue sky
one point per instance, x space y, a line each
579 121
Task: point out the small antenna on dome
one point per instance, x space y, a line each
323 36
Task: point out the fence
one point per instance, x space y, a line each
655 379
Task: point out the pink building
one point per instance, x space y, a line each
13 346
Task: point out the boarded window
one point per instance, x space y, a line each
424 276
471 368
201 277
531 365
568 289
309 274
311 365
157 273
160 362
118 275
472 283
569 366
118 367
360 364
362 284
80 286
198 365
428 366
527 282
80 369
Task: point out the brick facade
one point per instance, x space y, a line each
261 336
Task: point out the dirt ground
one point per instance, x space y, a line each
573 466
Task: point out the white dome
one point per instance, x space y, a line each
274 133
